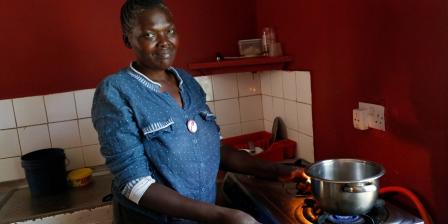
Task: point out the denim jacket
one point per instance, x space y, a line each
143 132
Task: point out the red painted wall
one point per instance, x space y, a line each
386 52
55 46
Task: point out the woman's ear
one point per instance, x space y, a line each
126 41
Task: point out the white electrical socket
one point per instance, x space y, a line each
361 119
375 115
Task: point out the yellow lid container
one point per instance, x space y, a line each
80 177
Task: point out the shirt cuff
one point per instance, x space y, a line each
135 189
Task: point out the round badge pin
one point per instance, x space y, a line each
192 126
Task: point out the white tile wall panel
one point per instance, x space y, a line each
34 138
84 99
248 84
65 134
305 118
227 111
92 155
277 83
225 86
268 108
293 135
266 83
251 108
278 105
7 118
211 106
268 126
75 158
252 126
30 111
60 107
303 80
89 136
289 85
9 141
230 130
306 147
206 84
290 118
11 169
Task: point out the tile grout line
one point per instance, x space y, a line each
213 89
79 129
47 123
17 128
261 96
239 102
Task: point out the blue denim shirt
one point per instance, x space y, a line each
143 132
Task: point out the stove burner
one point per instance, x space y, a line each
309 212
339 219
277 203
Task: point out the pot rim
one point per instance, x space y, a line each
380 174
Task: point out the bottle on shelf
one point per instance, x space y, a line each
267 39
270 46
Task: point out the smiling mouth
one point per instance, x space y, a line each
164 55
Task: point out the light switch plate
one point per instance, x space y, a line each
376 115
360 119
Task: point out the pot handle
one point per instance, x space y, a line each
366 187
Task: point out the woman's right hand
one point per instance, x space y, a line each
233 216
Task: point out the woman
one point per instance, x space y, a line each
158 136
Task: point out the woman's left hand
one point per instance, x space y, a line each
287 173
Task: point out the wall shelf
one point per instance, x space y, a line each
241 65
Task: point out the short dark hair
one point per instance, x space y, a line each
132 8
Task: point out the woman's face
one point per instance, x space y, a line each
153 39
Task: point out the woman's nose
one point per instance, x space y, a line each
164 42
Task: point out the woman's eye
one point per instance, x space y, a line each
171 31
150 35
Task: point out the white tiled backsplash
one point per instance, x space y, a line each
288 94
59 120
249 102
243 103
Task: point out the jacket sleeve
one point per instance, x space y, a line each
119 136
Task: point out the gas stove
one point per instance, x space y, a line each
275 202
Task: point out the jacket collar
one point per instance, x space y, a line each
152 85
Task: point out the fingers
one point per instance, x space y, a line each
291 173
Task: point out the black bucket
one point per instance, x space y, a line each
45 171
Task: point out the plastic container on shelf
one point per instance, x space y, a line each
250 47
277 151
80 177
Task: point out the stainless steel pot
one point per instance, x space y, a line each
345 186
